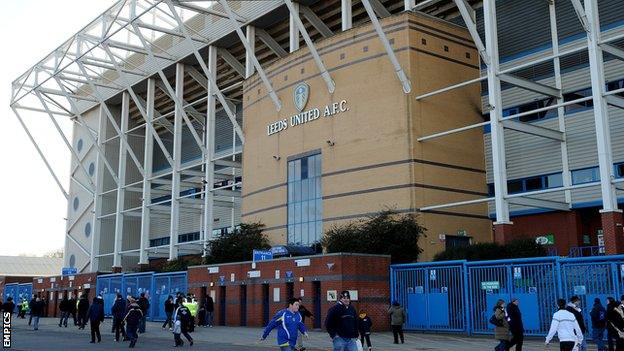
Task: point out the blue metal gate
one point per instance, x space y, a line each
590 278
432 295
108 286
459 296
156 286
11 290
166 284
532 281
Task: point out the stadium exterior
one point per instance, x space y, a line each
192 116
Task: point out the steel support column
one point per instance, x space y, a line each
565 165
496 113
293 28
347 14
147 164
210 148
121 171
177 154
97 199
611 216
250 32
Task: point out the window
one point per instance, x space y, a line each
87 229
72 261
446 48
91 168
580 106
619 170
79 145
423 41
585 175
305 219
534 183
76 203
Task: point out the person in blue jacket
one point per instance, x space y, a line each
96 316
289 324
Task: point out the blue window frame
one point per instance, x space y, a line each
534 183
585 175
305 203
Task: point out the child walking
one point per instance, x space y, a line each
364 327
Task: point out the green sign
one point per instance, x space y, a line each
548 239
490 285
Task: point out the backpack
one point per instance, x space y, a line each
497 322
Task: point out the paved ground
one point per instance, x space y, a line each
51 337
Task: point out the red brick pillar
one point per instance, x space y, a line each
612 231
503 232
144 267
116 269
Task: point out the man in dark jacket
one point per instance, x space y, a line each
574 307
64 308
30 305
133 320
83 308
516 327
36 311
144 305
341 324
169 307
9 305
209 311
73 306
96 316
615 320
598 316
118 311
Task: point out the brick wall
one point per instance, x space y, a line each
367 274
52 289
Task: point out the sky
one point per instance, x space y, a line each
32 208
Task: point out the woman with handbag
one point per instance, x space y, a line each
501 326
566 327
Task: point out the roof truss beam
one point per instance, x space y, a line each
532 202
530 85
271 43
534 130
318 24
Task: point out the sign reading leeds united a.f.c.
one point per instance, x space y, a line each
301 94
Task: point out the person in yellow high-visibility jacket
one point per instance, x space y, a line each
191 304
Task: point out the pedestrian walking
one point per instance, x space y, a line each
9 305
612 335
574 307
73 306
305 313
133 321
397 318
365 323
144 304
209 311
181 321
191 304
598 316
36 312
341 324
169 307
290 325
30 306
501 326
83 308
64 309
615 319
516 327
565 325
96 316
118 311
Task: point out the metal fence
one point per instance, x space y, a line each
157 287
459 296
